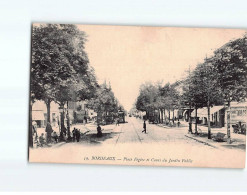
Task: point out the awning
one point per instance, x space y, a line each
38 115
203 112
215 109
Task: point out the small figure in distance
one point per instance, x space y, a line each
144 127
74 134
42 140
55 136
78 135
117 121
99 131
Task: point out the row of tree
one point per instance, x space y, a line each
219 80
154 97
61 72
104 102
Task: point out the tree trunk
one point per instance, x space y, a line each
173 116
229 123
159 116
48 106
196 132
162 119
30 142
190 121
169 115
62 122
68 121
209 125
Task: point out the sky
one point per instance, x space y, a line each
128 56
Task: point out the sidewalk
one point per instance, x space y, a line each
238 140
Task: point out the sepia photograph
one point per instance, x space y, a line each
138 95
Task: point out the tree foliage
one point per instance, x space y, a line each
60 69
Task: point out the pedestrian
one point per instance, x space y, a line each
144 127
42 140
74 134
117 122
78 135
85 119
48 131
99 131
34 131
55 136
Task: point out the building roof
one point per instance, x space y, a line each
238 104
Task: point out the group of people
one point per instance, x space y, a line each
51 136
76 134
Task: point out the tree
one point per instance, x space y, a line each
104 101
230 62
187 97
169 98
147 99
60 69
154 97
202 90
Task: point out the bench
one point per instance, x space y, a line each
219 137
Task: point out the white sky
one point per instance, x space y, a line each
129 56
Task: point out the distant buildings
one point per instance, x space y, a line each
77 113
218 114
39 113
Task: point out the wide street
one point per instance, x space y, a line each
126 143
131 133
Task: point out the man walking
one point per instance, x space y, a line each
144 127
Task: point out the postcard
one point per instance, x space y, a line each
138 95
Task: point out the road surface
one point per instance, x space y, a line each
131 133
126 144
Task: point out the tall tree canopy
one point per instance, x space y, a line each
60 69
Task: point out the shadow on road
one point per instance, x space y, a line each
94 140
